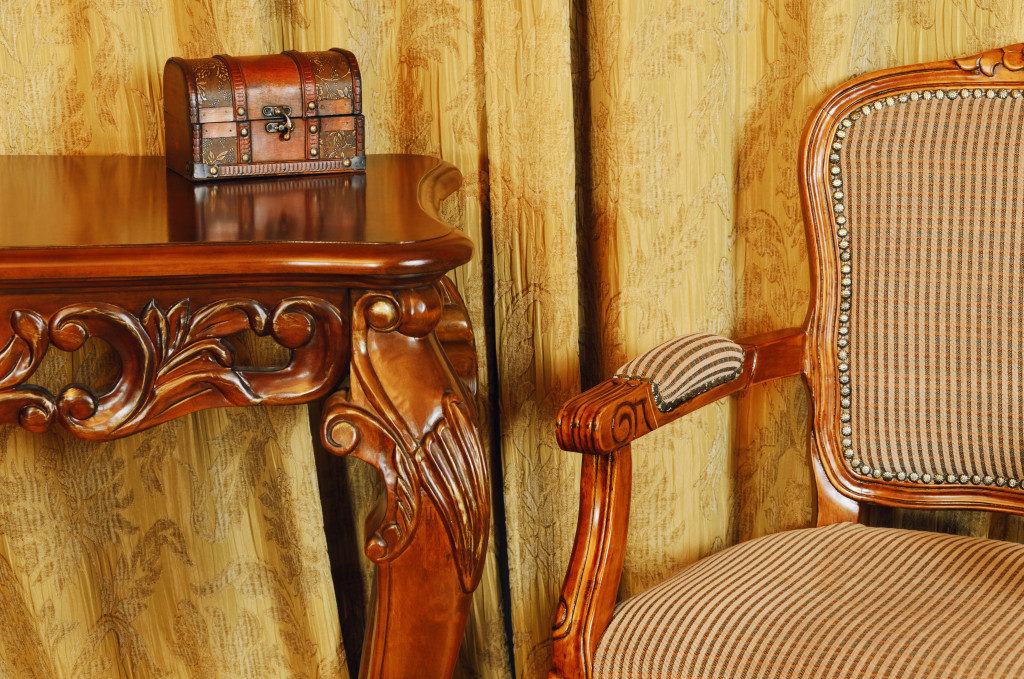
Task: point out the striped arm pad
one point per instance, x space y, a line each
685 367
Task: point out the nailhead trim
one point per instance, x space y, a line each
838 197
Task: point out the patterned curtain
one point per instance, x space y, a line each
630 175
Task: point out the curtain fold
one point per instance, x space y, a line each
630 176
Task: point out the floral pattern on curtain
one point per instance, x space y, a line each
630 175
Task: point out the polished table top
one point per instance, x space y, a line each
90 217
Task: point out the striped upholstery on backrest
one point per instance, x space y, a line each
685 367
928 203
841 602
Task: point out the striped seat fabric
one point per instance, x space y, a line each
685 367
839 601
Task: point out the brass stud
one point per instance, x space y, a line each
240 111
347 162
311 105
214 170
245 157
314 153
244 132
314 129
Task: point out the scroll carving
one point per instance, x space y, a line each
29 406
1010 58
439 456
172 362
610 415
351 430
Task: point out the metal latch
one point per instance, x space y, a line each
283 126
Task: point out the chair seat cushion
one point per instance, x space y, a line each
838 601
685 367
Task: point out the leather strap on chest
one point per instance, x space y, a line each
307 83
240 109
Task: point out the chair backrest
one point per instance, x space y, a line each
914 199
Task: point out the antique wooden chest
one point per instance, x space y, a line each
288 113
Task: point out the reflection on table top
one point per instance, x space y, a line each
331 223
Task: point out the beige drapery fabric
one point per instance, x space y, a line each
630 176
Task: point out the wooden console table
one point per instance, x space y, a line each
347 272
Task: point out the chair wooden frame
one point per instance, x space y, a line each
603 421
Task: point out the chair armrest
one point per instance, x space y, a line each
671 380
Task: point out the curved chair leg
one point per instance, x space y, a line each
595 567
412 416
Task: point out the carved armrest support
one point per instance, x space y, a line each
624 408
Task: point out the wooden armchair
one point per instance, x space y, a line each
914 203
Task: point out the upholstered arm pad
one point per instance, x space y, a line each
685 367
673 379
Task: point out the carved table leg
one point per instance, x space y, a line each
411 413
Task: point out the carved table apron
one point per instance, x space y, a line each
347 272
